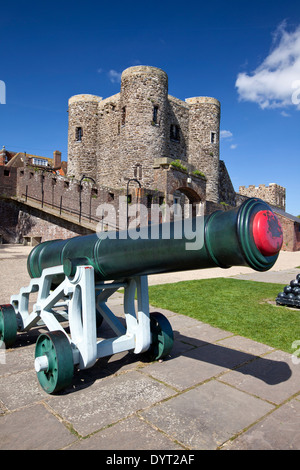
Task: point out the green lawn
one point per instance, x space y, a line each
241 307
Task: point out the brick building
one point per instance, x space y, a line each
11 159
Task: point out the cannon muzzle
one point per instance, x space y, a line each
249 235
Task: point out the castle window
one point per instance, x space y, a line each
78 134
155 115
213 137
137 172
174 132
123 116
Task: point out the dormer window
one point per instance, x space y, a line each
78 134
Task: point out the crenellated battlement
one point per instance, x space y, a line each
273 194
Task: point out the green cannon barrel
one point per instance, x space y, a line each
249 235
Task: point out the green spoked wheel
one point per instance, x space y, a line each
54 361
162 337
8 325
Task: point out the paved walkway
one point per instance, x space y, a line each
216 391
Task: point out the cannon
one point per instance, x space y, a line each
73 280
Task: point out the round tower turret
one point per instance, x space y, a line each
204 135
82 135
143 120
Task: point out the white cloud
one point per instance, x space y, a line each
233 146
225 134
273 83
284 114
114 76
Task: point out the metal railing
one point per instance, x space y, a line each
77 214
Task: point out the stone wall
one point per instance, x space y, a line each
227 193
291 233
69 196
144 91
108 153
20 221
204 124
272 194
83 114
178 115
9 216
8 180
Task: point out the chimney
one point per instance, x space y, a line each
56 159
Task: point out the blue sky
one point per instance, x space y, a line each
244 53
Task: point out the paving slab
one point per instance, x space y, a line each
33 427
239 343
273 377
196 365
205 417
200 333
20 389
133 433
109 400
17 360
279 430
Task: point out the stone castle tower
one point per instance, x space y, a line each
124 136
